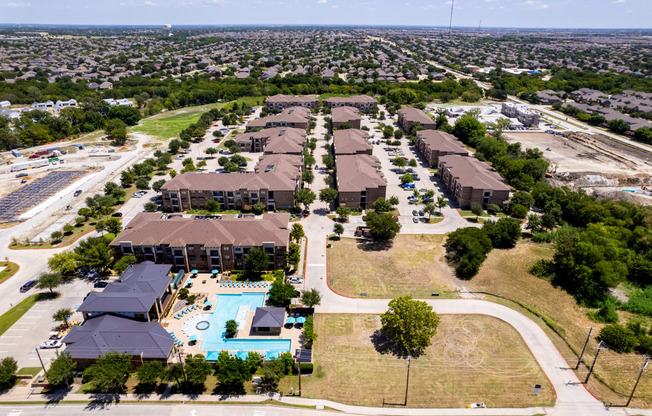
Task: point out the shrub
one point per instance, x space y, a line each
607 314
466 250
543 269
619 338
231 328
183 293
493 209
306 368
121 265
519 211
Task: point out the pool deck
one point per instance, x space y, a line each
210 288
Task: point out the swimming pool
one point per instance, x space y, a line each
234 306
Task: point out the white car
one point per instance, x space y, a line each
50 344
295 280
477 406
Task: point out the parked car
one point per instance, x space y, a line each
100 285
27 286
415 212
415 219
77 192
295 280
117 214
20 175
50 344
477 406
421 213
55 335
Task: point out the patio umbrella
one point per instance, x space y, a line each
195 271
193 337
208 303
301 320
188 282
215 271
212 355
290 320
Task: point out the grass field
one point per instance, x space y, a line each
473 358
506 273
8 270
28 371
412 266
170 123
10 317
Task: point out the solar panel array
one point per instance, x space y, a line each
27 197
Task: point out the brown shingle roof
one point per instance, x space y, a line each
281 98
231 181
356 173
414 115
471 172
345 114
289 115
351 100
350 141
279 139
177 231
442 141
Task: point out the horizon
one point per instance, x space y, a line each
517 14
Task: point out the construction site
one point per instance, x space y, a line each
595 163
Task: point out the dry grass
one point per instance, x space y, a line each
506 273
473 358
413 265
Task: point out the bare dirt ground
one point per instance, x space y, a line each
592 163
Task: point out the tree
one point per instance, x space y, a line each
48 281
328 195
121 265
466 250
197 369
127 178
114 190
64 263
294 255
129 115
498 126
398 134
477 210
307 176
231 328
407 178
411 324
56 236
62 315
343 213
67 229
311 298
256 261
297 232
212 206
534 223
304 197
113 225
142 183
151 206
441 203
8 368
338 229
618 126
232 373
504 233
393 200
94 253
382 226
100 227
258 208
519 211
157 185
413 163
399 161
619 338
468 130
62 370
281 292
109 373
211 151
328 160
431 209
150 372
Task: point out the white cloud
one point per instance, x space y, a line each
215 1
322 1
335 6
15 5
619 1
535 4
149 3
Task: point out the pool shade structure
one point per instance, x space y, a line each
301 320
243 355
208 303
193 337
268 321
212 355
272 355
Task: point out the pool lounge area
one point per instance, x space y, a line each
203 329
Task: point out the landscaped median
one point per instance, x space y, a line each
9 318
7 269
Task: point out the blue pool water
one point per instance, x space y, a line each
226 308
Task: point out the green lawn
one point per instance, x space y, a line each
9 270
169 124
14 314
28 371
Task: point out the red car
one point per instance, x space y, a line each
216 140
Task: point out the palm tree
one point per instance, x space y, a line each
441 203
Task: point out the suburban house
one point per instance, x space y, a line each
298 117
409 115
42 106
123 317
549 97
218 242
351 142
434 143
273 185
268 321
360 181
280 101
470 181
106 85
361 102
526 117
347 114
142 293
286 140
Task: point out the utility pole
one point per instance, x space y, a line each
299 363
450 23
407 381
183 367
599 348
41 360
637 380
588 337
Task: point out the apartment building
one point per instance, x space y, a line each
468 181
521 113
409 116
219 242
432 144
283 140
297 117
280 101
359 180
351 142
362 102
347 114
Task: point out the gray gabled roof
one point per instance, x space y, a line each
135 291
108 333
269 318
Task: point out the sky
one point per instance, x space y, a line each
492 13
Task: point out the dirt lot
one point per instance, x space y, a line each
472 358
414 265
